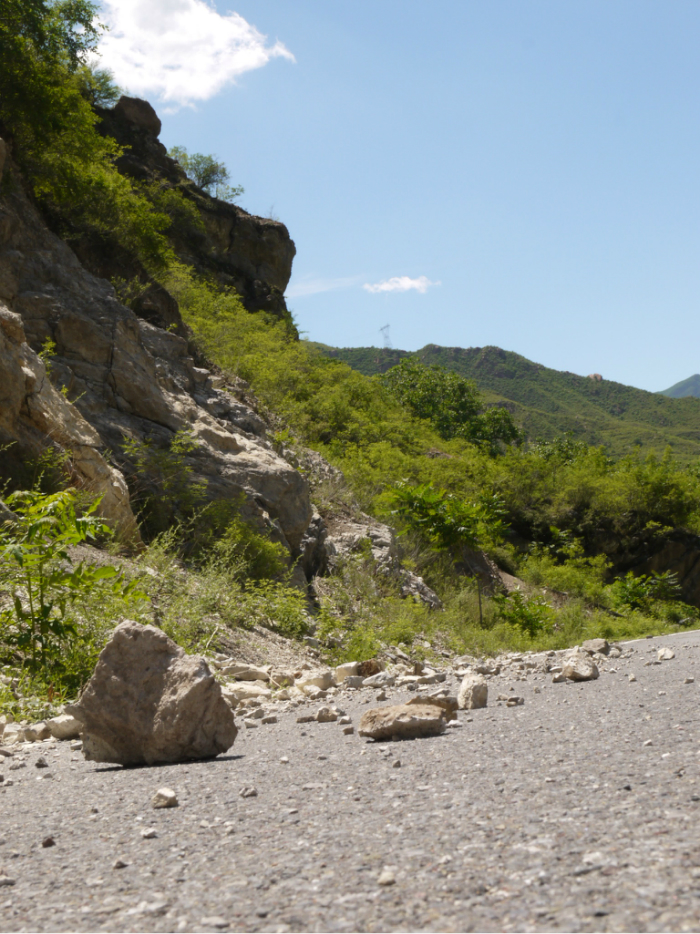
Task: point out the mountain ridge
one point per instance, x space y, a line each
686 387
547 403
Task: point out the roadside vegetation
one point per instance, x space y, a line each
420 448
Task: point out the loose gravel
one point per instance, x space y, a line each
575 811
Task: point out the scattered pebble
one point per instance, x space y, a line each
7 880
164 798
284 759
689 681
214 922
386 877
119 864
348 730
396 764
648 742
665 654
631 677
248 791
47 842
148 833
41 763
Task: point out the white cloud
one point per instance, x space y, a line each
181 51
401 284
314 286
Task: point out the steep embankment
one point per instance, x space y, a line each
548 403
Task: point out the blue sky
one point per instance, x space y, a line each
508 173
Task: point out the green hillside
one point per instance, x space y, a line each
687 387
547 403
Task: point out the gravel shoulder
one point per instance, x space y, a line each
576 811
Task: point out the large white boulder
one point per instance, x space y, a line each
149 702
473 692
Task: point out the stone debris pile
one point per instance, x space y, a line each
260 693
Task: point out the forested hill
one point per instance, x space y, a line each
547 403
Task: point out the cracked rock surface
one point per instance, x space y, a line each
574 811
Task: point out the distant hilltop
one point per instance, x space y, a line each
687 387
550 403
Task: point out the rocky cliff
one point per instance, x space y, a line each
128 379
252 254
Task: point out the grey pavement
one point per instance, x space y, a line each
577 811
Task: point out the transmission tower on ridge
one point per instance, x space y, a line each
385 334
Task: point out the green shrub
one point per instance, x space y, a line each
451 403
529 616
43 583
165 489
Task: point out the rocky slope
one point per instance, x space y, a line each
127 377
119 374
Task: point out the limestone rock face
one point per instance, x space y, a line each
473 692
127 379
149 702
405 721
32 411
346 536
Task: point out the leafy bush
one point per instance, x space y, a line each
445 520
641 592
529 616
37 571
165 489
566 568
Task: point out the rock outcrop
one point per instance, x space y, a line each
34 415
252 254
148 702
346 536
128 379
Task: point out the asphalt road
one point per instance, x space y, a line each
577 811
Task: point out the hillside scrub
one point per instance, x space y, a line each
548 404
609 504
